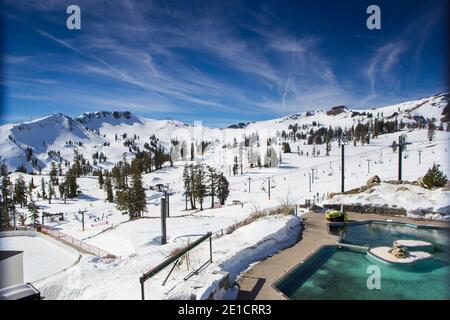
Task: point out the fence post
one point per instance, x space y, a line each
210 249
142 291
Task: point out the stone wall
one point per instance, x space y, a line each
368 209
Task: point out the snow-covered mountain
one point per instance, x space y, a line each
34 144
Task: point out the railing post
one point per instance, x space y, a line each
210 248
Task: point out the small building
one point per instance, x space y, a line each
11 278
11 268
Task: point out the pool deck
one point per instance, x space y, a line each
256 283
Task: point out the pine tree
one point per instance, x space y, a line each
431 130
434 178
43 193
51 192
33 208
100 179
122 200
71 187
222 188
20 192
53 173
190 185
6 204
286 147
187 184
62 191
199 188
137 204
109 190
212 179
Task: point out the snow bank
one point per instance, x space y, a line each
416 200
94 278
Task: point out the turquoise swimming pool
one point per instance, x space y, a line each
339 273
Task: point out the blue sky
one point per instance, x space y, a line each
220 62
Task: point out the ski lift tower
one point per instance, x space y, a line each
342 167
401 145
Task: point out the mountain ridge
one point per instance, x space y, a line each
107 131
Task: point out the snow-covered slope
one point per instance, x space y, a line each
58 135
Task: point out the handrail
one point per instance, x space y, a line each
174 258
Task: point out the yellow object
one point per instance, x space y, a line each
335 215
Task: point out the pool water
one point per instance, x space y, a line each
334 273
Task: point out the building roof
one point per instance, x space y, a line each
7 254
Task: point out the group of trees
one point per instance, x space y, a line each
201 182
13 195
129 197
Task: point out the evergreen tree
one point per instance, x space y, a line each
199 188
286 147
71 187
43 193
77 170
51 192
33 208
100 179
53 173
62 191
434 178
31 185
188 180
222 188
6 204
431 129
20 192
212 186
137 204
186 184
122 200
109 190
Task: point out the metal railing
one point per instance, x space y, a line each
174 260
78 243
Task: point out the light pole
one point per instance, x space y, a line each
309 176
342 168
